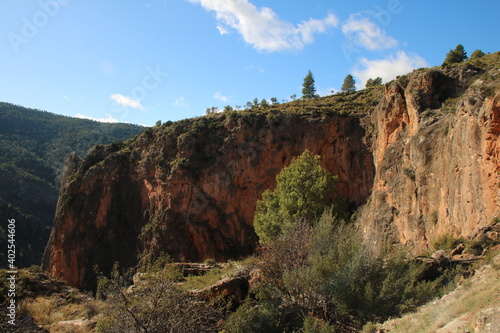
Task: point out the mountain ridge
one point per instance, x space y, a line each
34 145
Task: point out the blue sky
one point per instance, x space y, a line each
140 61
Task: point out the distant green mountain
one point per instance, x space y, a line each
33 147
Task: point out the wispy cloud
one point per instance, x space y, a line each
388 68
65 97
360 30
262 28
218 96
181 101
127 101
108 119
257 68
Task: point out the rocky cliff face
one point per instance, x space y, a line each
436 153
190 189
424 161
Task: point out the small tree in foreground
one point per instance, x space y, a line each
303 191
349 85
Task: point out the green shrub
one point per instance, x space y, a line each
316 325
410 173
325 270
447 242
303 191
252 317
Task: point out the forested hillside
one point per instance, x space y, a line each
33 147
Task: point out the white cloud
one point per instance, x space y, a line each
181 101
261 27
388 68
65 97
361 31
257 68
127 101
108 119
218 96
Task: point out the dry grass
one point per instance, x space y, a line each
47 311
59 315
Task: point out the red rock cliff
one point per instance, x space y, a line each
190 189
425 159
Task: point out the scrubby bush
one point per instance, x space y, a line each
325 271
447 242
155 304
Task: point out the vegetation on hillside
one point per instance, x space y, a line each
313 272
315 275
34 145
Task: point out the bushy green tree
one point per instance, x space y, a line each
349 85
303 191
309 88
455 56
264 103
477 54
373 82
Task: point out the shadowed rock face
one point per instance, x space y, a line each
190 188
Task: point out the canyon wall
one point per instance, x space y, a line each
436 154
190 188
423 161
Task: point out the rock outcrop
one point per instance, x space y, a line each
423 161
437 170
190 188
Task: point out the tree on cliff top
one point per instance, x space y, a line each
349 85
303 192
373 82
309 89
455 56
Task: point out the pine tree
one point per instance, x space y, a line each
349 85
303 191
477 54
309 89
455 56
373 82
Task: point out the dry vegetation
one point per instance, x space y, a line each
474 306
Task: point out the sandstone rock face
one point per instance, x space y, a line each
190 189
437 171
423 162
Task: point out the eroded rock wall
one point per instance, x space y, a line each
422 162
436 158
190 190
